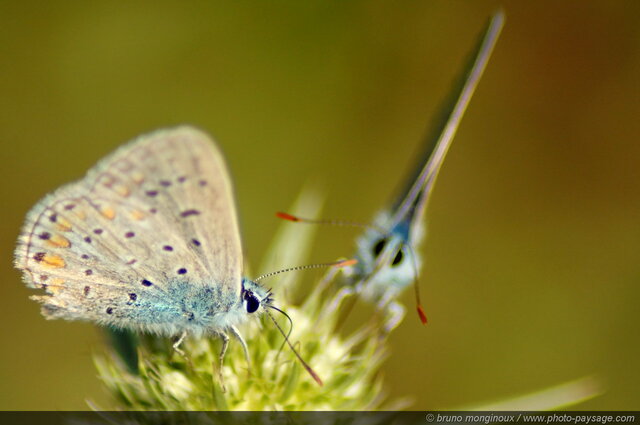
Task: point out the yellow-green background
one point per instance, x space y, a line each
533 271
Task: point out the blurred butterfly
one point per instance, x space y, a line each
386 252
148 241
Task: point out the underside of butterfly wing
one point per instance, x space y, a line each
148 239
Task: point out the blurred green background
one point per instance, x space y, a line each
532 272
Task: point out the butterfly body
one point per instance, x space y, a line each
147 241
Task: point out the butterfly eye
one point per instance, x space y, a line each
398 258
379 246
252 302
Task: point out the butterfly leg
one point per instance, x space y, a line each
177 349
235 333
331 312
176 345
225 344
344 293
395 312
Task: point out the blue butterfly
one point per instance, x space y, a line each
386 252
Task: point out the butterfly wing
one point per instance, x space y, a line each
108 247
387 261
410 206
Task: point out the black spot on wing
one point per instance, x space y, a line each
187 213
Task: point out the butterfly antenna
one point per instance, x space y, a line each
290 327
343 263
331 222
304 364
416 287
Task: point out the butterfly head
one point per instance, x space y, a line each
386 262
385 255
254 296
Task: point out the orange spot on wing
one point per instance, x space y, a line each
54 261
56 285
137 215
137 177
108 213
107 180
80 213
59 241
122 190
63 225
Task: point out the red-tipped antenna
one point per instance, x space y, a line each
342 263
311 372
285 216
331 222
423 317
416 286
345 263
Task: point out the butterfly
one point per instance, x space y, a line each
148 241
387 251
